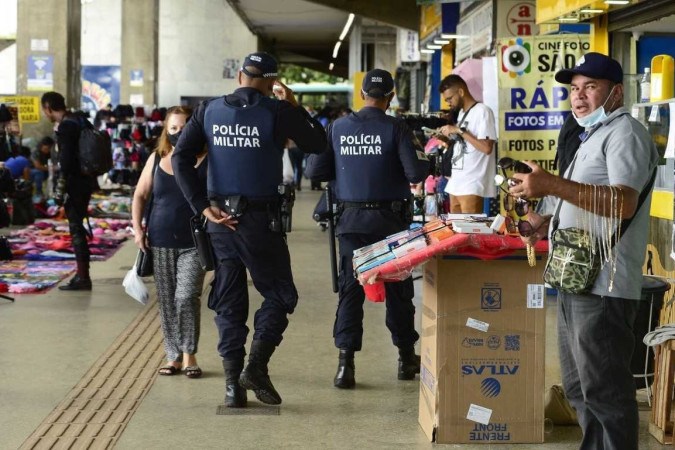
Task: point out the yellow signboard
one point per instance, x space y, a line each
532 105
551 10
357 101
430 20
29 107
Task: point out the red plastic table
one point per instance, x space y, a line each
482 246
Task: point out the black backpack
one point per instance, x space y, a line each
94 150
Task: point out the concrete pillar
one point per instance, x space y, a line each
140 44
355 50
48 33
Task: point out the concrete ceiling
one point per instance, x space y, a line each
304 32
662 25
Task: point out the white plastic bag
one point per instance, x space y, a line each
134 286
288 172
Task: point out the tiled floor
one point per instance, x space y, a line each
56 347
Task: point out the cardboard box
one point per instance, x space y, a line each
482 374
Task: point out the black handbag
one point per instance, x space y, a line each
144 263
144 258
202 242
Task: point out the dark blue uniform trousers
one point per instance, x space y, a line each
595 339
265 254
400 317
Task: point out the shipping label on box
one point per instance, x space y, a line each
535 295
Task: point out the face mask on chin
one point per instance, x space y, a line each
596 116
173 138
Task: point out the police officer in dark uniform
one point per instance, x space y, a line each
372 160
245 133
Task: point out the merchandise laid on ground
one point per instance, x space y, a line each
108 204
42 253
30 277
49 240
115 205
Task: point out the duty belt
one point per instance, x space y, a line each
249 204
371 205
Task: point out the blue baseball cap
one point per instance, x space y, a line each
262 61
593 65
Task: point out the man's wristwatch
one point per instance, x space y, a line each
461 131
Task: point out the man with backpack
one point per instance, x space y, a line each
74 187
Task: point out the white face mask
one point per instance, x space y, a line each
596 116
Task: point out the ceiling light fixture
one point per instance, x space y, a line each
568 19
453 36
336 48
427 51
591 11
330 66
345 30
434 47
617 2
441 41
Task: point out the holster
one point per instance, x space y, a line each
238 205
404 209
234 205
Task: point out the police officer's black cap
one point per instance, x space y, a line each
262 61
377 83
593 65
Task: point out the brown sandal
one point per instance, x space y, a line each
193 372
168 370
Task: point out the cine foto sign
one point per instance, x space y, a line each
29 107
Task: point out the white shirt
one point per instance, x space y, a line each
473 171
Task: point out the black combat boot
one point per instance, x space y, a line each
81 281
235 395
77 283
255 378
344 377
408 363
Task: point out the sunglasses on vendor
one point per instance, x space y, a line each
520 206
514 165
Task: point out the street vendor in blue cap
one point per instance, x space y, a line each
598 236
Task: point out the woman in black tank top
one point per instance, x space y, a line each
177 271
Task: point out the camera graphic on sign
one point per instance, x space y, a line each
516 58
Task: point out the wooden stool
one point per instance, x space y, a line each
661 422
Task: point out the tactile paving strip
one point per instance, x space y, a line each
93 415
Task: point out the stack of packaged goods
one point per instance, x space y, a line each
427 238
400 244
